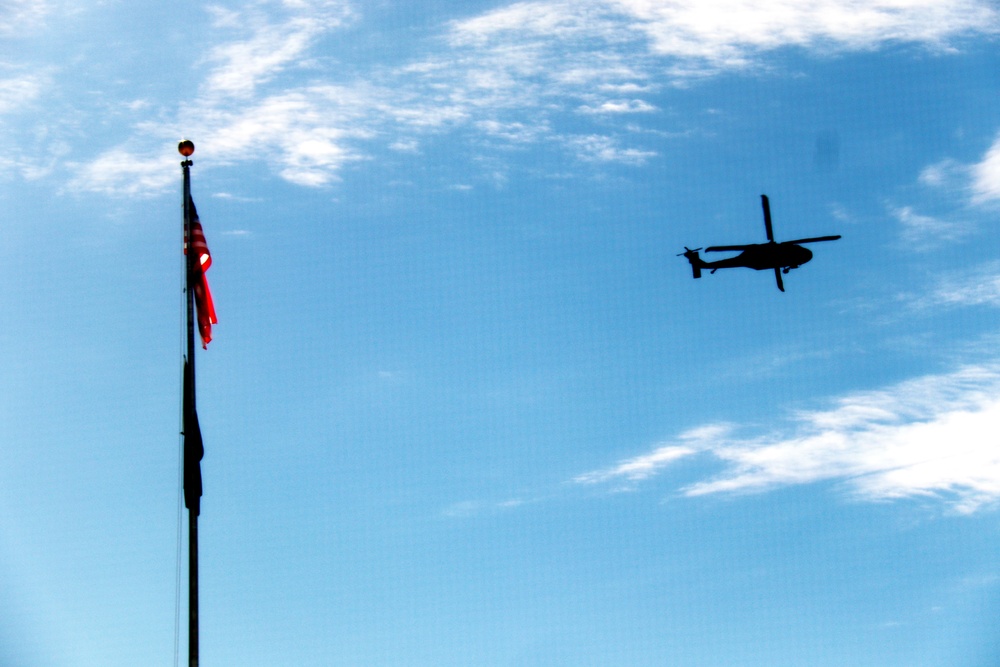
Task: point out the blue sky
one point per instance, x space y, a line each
464 404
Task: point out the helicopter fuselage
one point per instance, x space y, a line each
762 256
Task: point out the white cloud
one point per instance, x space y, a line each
557 19
471 508
305 134
934 436
19 92
597 148
513 132
406 146
978 184
120 172
647 465
925 232
236 198
303 131
537 58
942 174
18 16
640 467
986 175
980 181
619 106
462 510
730 32
509 74
976 287
244 64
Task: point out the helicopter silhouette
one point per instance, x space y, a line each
781 257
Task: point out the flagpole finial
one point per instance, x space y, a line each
186 148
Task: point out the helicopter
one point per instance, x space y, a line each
781 257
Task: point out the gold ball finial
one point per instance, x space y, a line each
186 148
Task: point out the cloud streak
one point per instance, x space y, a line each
986 176
648 465
979 286
17 92
925 232
930 437
980 181
522 73
706 35
18 16
242 65
729 33
977 185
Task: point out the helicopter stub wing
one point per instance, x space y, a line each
815 239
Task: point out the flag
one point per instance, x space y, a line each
194 448
197 281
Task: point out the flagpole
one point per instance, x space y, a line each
186 148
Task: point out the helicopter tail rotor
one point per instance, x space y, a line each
694 259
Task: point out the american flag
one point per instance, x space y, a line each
197 281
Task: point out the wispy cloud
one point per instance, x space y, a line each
301 129
707 35
524 72
472 508
971 185
121 172
270 44
619 106
925 232
730 33
977 286
304 131
19 16
513 132
978 182
945 173
18 92
598 148
986 176
929 437
647 465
